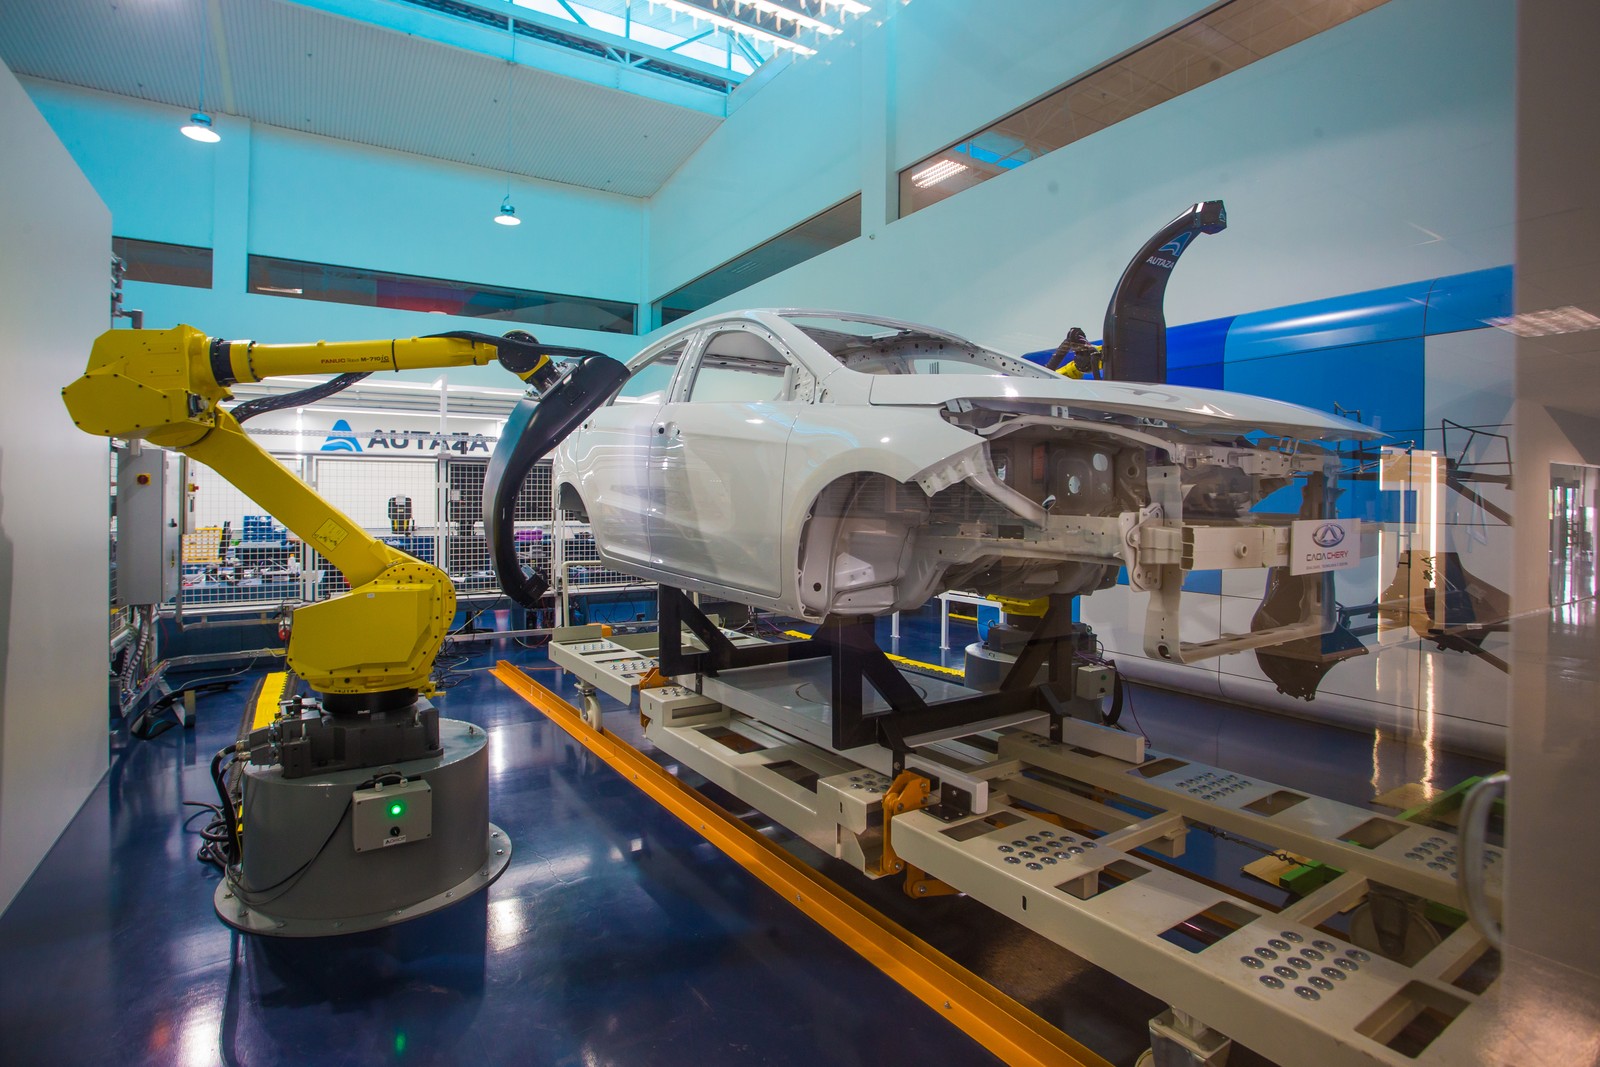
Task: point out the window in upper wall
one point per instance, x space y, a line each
740 367
1189 55
372 288
814 236
162 263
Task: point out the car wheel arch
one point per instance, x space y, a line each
569 500
851 541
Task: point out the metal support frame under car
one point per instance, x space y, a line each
1058 838
849 643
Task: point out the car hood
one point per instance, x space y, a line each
1178 405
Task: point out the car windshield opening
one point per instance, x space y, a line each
874 346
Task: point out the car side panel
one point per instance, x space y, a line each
606 461
717 477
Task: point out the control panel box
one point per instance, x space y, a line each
150 525
384 816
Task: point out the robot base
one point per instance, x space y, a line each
303 875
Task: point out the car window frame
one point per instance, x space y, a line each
644 359
689 369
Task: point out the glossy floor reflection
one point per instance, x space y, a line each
615 937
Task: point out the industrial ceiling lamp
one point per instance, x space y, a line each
198 127
507 215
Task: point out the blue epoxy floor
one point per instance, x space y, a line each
616 937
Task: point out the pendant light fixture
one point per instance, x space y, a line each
198 128
507 215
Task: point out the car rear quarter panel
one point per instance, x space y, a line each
832 441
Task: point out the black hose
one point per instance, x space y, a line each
310 395
1113 715
533 429
235 847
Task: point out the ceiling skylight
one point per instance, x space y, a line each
734 36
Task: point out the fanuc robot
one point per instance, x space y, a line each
361 806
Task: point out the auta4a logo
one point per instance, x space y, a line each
341 438
1328 535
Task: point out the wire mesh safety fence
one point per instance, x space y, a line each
233 554
577 568
430 507
394 500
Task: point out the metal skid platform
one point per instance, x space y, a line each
1043 833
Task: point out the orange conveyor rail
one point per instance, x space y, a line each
996 1021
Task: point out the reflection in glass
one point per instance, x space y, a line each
814 236
165 264
1572 533
374 288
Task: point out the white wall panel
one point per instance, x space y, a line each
792 150
55 255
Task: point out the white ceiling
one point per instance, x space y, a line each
294 66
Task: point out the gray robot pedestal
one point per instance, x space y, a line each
324 856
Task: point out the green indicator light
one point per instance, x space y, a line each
397 809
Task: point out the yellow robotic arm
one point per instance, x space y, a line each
165 387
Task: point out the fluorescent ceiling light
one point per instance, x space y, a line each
779 12
278 289
943 170
199 129
1567 319
735 26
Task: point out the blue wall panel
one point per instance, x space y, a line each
1206 376
1468 301
1355 319
1197 344
1384 381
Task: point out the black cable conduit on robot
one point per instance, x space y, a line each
535 426
310 395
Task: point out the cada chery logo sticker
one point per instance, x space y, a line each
1317 545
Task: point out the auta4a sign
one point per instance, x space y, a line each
1317 545
342 438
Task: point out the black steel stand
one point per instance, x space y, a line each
850 643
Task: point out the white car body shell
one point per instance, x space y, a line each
721 497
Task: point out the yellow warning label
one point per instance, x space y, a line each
331 533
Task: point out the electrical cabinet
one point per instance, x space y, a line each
150 524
